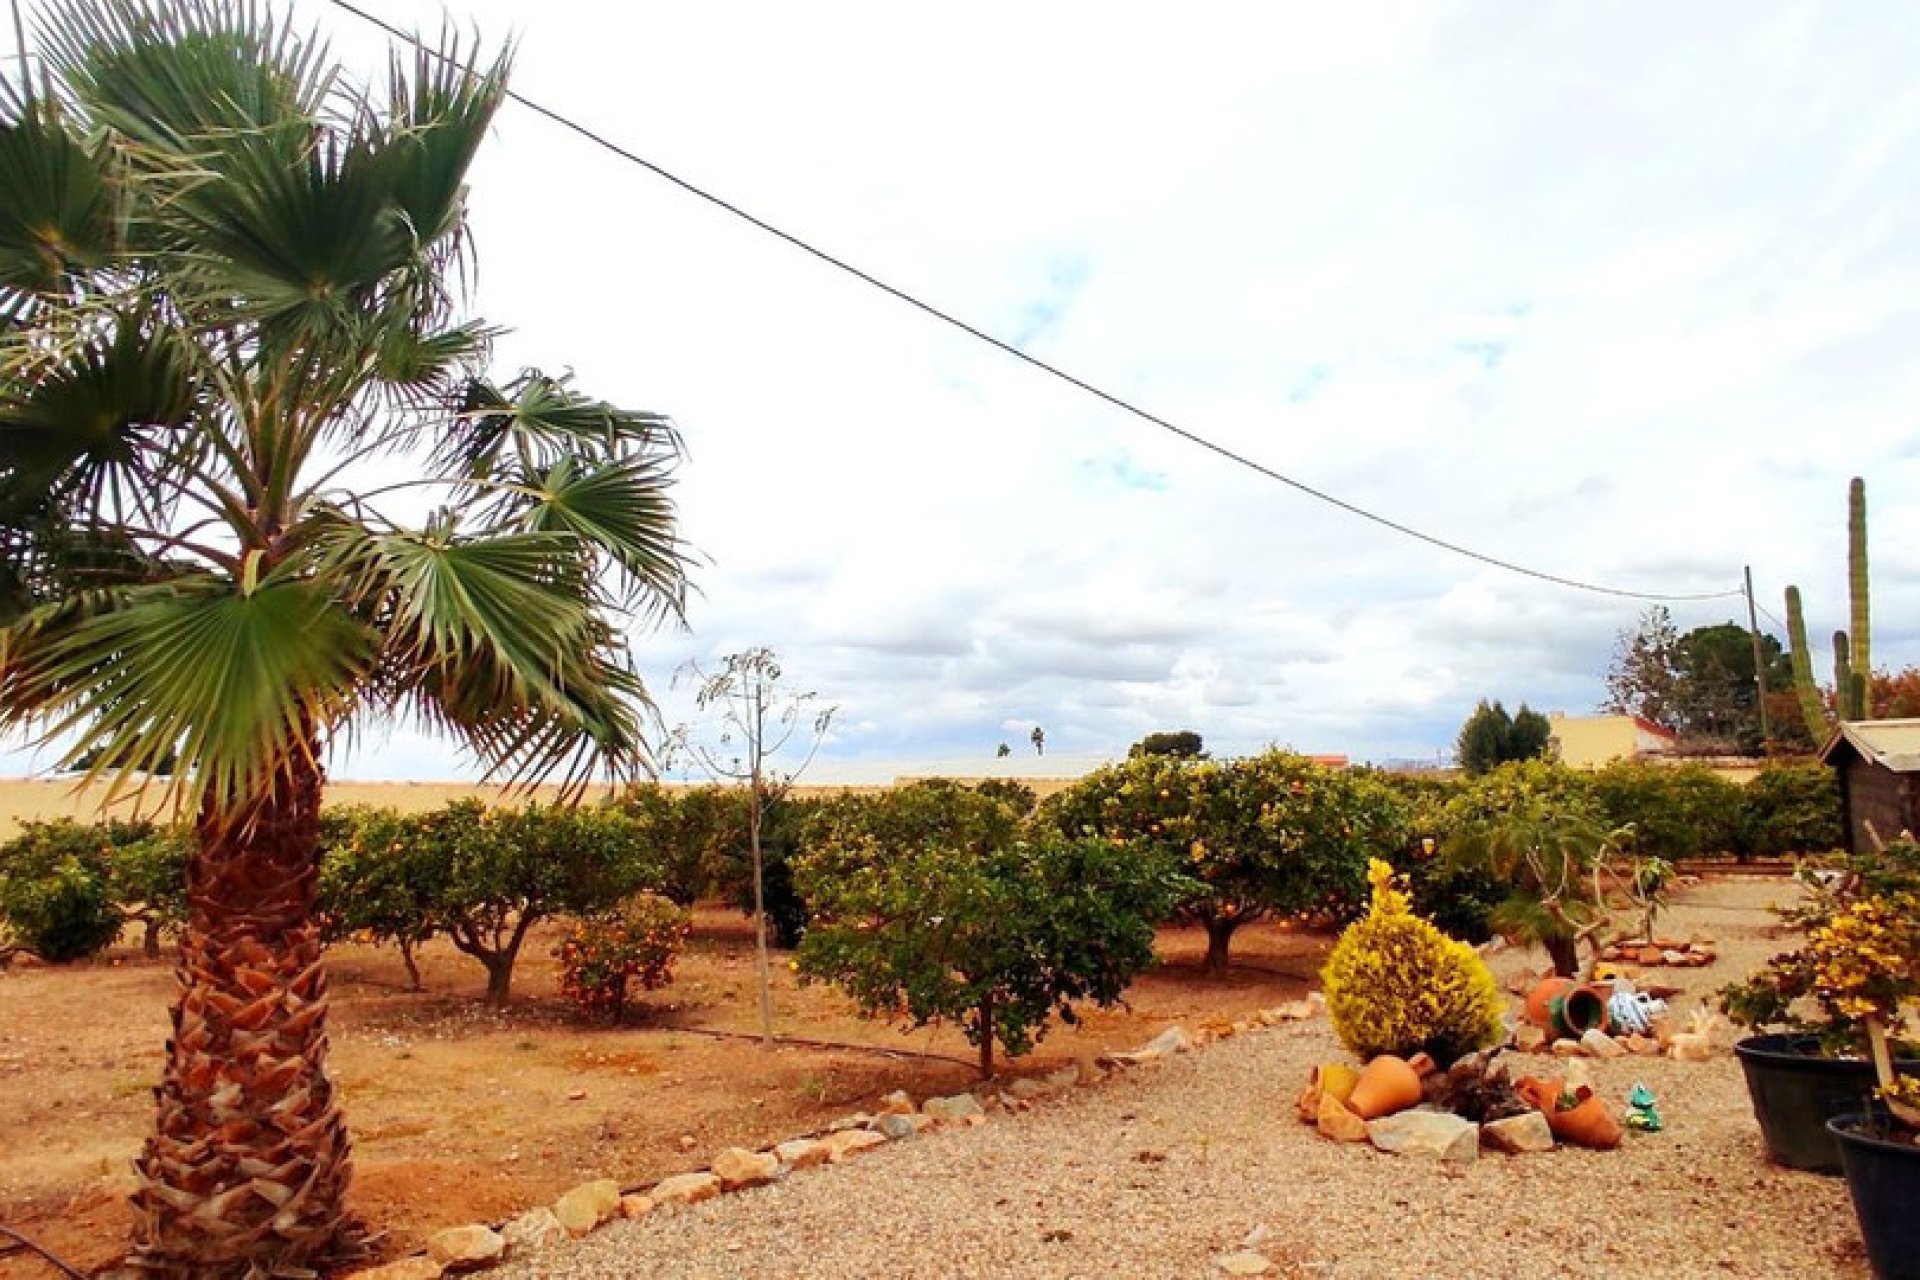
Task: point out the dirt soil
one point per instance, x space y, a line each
464 1113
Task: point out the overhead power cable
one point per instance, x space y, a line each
1008 348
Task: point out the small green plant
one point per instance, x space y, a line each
603 956
1396 984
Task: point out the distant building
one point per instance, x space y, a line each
1588 742
1879 766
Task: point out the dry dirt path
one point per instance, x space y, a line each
1157 1173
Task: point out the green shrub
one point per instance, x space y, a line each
997 936
637 942
1396 984
1676 812
55 894
1792 808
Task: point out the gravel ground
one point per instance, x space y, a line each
1159 1171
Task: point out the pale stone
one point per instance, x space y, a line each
1645 1046
1600 1044
1307 1105
635 1206
1579 1075
588 1205
1439 1134
1690 1046
803 1153
858 1120
534 1229
738 1168
1335 1121
1517 1135
974 1122
960 1104
685 1188
405 1269
1064 1078
893 1127
1673 957
1026 1089
897 1103
476 1245
1569 1049
1172 1040
1317 1002
1528 1038
1244 1263
851 1142
1260 1237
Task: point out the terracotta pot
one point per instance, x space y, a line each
1541 999
1590 1123
1566 1008
1386 1085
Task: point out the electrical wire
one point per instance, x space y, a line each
1008 348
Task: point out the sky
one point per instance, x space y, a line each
1623 294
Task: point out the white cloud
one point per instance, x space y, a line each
1623 295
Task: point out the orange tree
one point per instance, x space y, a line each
1270 835
933 904
229 320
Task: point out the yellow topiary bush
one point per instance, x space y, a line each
1395 984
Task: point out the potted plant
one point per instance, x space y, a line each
1865 965
1813 1055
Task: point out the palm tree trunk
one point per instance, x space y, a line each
247 1169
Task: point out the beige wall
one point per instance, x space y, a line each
1587 742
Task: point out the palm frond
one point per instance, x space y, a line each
191 76
439 114
56 205
496 639
535 421
620 508
91 425
226 681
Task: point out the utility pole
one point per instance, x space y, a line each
1759 665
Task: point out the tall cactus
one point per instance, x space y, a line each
1857 620
1852 652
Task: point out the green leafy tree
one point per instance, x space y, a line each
1700 685
381 880
502 871
55 895
999 937
1274 835
1491 737
228 318
1533 829
146 868
602 956
1184 744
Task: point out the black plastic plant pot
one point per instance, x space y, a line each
1796 1090
1883 1173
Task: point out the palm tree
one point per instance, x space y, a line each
228 296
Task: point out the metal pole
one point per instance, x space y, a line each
1759 664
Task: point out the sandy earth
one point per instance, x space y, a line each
463 1113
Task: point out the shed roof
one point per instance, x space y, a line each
1892 744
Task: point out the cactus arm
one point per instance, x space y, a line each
1810 708
1843 704
1858 620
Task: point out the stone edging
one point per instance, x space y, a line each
593 1204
